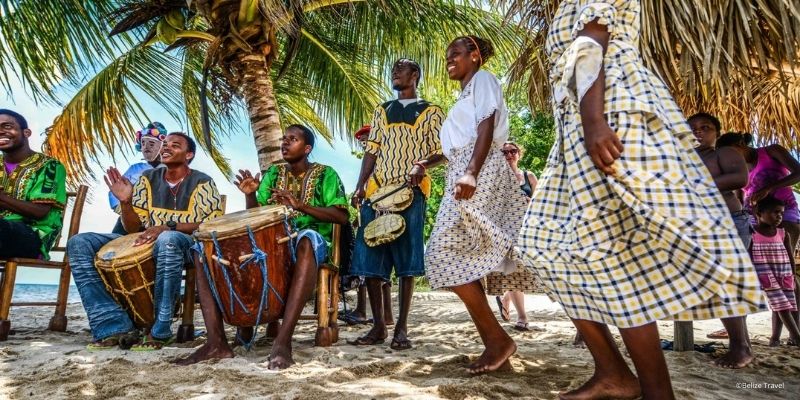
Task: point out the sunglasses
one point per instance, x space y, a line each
511 152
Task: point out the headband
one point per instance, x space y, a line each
480 57
154 130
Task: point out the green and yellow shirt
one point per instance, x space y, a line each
320 186
38 179
193 201
400 136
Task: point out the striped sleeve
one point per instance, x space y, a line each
141 200
207 202
375 138
433 124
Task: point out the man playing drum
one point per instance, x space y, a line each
32 192
315 195
169 203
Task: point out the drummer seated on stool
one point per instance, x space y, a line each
316 195
169 204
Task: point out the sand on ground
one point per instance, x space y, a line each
36 363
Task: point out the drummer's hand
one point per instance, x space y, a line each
286 198
465 187
246 182
150 235
358 197
416 175
119 185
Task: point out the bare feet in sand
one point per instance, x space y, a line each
624 387
206 352
774 342
280 358
735 358
494 358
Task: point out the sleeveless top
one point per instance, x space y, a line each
768 170
526 185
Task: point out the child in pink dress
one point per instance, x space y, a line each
775 268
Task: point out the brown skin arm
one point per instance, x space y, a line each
734 170
779 153
130 220
25 208
367 166
602 143
336 215
787 244
418 173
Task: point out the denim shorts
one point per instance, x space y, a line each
406 253
318 244
742 221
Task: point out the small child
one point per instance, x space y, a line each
775 268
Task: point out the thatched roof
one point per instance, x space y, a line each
739 59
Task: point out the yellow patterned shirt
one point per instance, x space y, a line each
193 201
401 135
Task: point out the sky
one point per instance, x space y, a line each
239 148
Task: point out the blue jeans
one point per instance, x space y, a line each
106 317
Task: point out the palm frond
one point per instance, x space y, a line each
737 58
48 43
99 116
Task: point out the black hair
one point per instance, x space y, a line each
308 134
769 203
735 139
710 118
411 64
484 46
189 141
23 123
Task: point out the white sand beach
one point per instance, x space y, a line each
36 363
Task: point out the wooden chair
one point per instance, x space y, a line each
186 329
327 299
8 269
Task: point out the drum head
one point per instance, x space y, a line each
237 223
122 251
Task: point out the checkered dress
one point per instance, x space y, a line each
653 241
474 237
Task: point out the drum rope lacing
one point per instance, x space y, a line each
259 257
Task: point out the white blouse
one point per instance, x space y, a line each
480 98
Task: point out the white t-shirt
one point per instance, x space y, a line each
480 98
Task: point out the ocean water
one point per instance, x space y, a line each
35 292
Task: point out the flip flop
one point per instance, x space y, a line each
351 319
504 314
104 344
720 334
400 344
152 344
522 326
365 341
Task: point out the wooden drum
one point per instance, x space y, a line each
129 274
243 278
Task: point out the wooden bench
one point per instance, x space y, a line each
8 269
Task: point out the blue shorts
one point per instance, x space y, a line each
406 253
318 244
742 221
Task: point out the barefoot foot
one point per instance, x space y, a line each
280 358
735 358
774 342
206 352
626 387
494 357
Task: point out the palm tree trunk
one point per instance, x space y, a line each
262 107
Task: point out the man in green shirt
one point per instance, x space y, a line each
32 193
315 195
